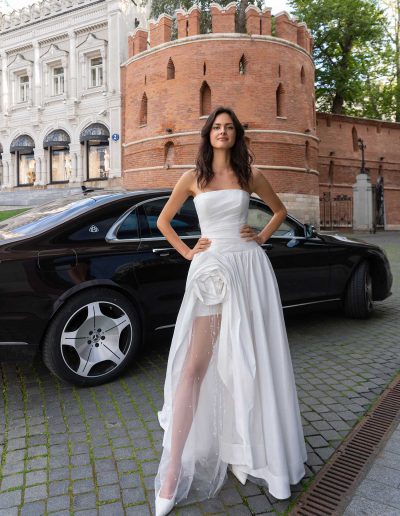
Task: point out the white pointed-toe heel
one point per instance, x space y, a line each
165 505
242 477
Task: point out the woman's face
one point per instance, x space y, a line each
223 132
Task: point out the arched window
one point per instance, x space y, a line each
355 139
57 142
169 154
302 75
279 70
23 147
95 139
204 68
279 100
242 65
205 99
170 69
143 110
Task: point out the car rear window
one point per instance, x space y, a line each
46 216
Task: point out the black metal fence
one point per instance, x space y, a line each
336 211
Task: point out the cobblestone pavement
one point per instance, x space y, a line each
94 451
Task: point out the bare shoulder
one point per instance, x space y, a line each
258 179
185 186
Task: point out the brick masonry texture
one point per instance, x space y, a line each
382 156
95 451
293 150
174 112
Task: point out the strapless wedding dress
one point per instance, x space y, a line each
240 407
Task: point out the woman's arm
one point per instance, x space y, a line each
262 187
181 191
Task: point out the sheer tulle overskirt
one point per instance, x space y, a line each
229 394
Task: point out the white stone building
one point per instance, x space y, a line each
60 91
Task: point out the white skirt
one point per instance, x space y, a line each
230 394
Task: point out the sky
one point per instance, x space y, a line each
7 6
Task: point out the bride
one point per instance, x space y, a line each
229 395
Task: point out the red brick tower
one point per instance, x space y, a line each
171 86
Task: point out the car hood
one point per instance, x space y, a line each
343 240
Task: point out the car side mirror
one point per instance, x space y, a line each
309 231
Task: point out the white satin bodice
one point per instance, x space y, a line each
221 214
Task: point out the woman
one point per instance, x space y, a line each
229 395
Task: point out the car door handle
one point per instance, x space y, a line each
267 246
165 251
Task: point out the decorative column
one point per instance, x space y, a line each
72 89
4 81
36 100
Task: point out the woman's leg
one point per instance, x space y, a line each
205 331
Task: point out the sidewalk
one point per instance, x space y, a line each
378 494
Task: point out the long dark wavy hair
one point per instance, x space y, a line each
241 158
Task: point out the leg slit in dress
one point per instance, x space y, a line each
204 335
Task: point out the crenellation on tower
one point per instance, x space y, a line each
286 28
160 30
223 21
188 22
223 18
137 41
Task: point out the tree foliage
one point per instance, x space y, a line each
351 53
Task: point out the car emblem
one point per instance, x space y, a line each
94 229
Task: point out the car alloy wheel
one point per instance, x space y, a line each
96 342
96 339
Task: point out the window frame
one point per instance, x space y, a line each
95 68
55 76
26 88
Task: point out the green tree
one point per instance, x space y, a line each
392 10
348 36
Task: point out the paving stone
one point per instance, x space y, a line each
133 495
138 510
11 511
33 509
12 481
60 487
106 477
111 492
83 486
35 493
230 496
85 501
112 509
36 477
10 499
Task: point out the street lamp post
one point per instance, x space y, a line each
361 146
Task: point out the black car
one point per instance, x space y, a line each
86 278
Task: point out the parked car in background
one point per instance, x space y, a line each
85 279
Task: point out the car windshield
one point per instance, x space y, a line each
46 216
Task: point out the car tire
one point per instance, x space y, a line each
93 337
358 302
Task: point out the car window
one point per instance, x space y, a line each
259 215
185 222
90 227
129 227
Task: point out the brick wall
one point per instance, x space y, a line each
338 135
